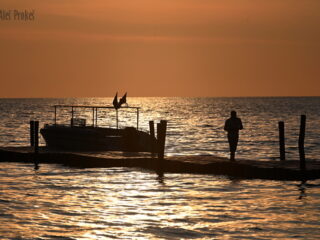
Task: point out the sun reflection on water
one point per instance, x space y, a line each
121 203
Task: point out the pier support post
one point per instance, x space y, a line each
34 141
161 137
151 128
158 140
36 137
301 142
152 135
32 133
282 141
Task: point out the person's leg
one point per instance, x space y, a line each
232 155
233 142
231 147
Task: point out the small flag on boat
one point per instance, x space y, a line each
123 100
117 104
115 101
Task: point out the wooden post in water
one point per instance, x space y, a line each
282 141
32 133
161 137
151 129
301 142
36 137
36 145
158 139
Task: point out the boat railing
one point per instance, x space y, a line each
94 113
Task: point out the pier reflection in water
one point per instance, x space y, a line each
98 203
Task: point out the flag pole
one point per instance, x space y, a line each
117 118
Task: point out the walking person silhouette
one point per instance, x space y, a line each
232 126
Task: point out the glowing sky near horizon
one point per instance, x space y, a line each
78 48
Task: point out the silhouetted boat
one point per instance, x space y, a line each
79 136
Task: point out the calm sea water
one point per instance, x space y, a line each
56 202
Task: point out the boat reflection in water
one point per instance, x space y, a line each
79 136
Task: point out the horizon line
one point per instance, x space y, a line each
264 96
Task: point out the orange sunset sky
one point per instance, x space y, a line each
78 48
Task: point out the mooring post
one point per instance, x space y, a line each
161 136
301 142
282 141
151 129
36 145
158 139
32 133
36 137
55 115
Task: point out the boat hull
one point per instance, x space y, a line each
97 139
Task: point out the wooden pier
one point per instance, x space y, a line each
246 169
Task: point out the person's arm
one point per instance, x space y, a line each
226 126
241 127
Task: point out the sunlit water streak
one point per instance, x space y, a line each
56 202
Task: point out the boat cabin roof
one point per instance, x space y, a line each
88 106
